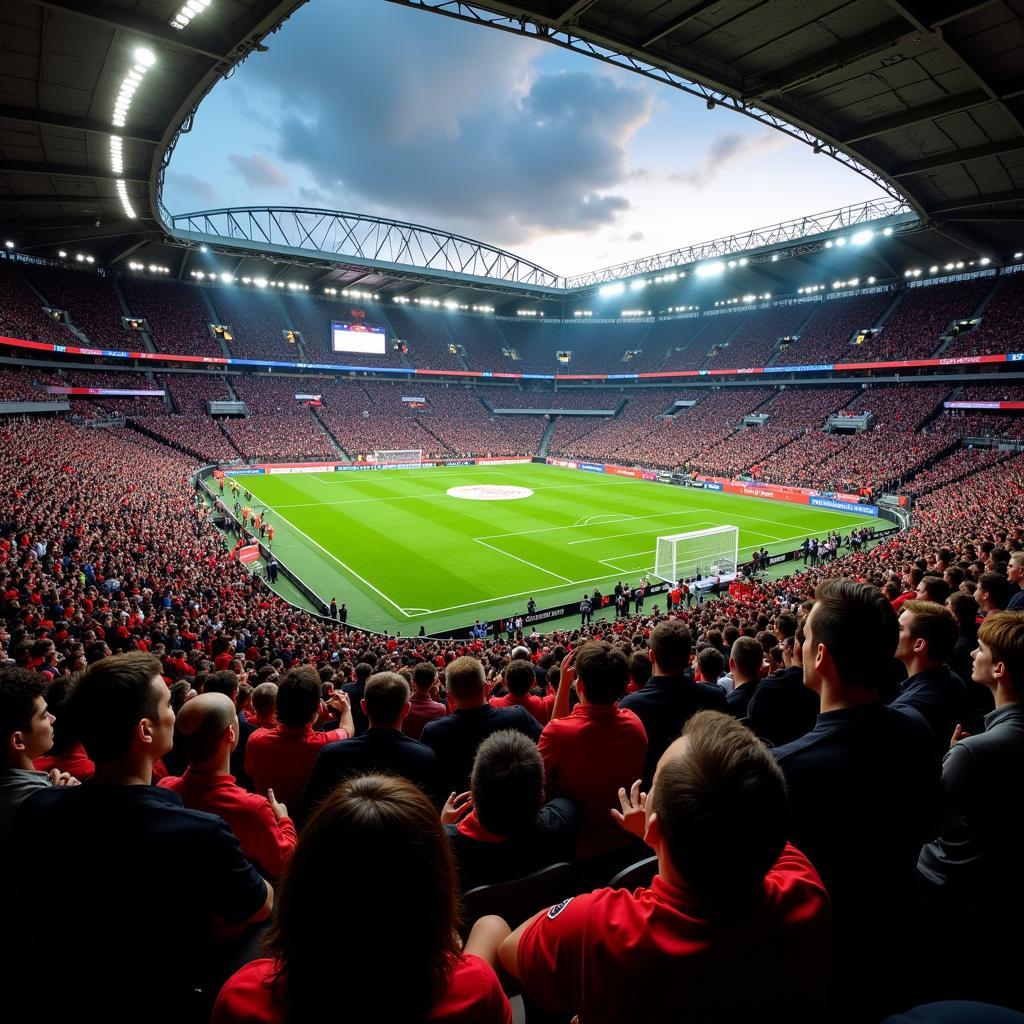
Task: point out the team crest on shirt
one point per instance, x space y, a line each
558 908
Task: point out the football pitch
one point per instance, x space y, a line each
402 552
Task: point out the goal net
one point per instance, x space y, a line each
711 552
398 456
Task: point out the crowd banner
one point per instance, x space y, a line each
843 506
250 553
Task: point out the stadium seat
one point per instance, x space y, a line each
517 900
636 875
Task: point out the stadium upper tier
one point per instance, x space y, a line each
975 319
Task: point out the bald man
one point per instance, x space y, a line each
206 731
716 818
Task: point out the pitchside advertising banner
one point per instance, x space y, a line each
843 506
277 468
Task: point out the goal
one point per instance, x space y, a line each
398 456
711 552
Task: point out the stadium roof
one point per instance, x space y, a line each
926 98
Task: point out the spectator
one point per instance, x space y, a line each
519 679
592 751
387 829
207 731
126 835
508 832
993 593
783 709
67 755
455 738
978 843
282 758
356 691
716 818
928 633
264 705
27 729
423 707
671 696
382 750
745 662
862 786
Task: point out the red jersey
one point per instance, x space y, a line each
74 761
539 707
267 842
282 758
473 996
651 955
587 756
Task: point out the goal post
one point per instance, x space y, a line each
711 552
398 456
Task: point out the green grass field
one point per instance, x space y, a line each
403 553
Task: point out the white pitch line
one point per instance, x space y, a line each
576 526
532 565
347 568
614 536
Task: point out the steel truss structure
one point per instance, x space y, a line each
371 241
894 213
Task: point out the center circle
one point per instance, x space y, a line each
489 492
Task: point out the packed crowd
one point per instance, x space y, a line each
823 835
829 334
178 317
1000 327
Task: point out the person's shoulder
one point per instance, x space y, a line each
712 696
247 995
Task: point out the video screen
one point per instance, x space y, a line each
358 338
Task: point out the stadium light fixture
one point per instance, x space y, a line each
862 237
948 266
984 261
612 289
933 269
637 286
840 242
117 154
187 12
871 280
743 261
62 254
711 269
8 244
1018 255
90 259
79 258
887 232
828 244
126 203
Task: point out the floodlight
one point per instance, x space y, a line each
828 244
887 232
62 254
711 269
612 289
145 56
637 285
9 244
840 242
862 237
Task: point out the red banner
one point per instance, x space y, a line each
250 553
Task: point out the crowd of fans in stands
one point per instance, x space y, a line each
824 834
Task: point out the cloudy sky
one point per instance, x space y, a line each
370 107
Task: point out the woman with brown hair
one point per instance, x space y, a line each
396 926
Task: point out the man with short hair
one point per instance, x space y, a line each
585 610
206 730
931 588
422 706
971 869
356 691
455 738
599 747
993 592
671 696
227 682
26 730
128 869
509 831
745 661
862 786
264 705
782 709
282 758
735 925
1015 574
519 679
928 633
382 750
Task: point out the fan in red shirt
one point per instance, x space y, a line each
206 731
736 923
390 824
590 753
282 758
520 678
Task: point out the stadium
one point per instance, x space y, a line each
311 516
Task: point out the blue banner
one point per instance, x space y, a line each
710 485
818 367
460 462
592 467
250 471
843 506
